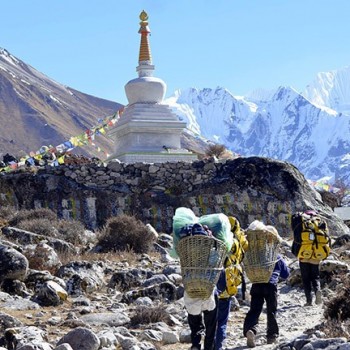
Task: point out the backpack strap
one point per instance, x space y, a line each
244 285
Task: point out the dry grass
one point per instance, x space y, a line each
144 315
114 257
335 329
32 214
7 212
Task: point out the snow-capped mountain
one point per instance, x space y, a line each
331 89
310 130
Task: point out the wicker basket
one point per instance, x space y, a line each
261 256
201 260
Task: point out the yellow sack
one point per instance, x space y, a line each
233 269
233 275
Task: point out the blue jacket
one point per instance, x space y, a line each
281 270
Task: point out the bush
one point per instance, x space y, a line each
7 212
336 329
338 308
215 150
147 315
125 233
40 226
41 213
71 231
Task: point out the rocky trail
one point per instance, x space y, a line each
99 296
293 319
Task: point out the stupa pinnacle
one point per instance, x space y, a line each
145 50
148 130
145 88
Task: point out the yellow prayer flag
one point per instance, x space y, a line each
61 159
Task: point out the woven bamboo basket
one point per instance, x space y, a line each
201 260
261 256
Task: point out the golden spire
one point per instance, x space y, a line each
145 50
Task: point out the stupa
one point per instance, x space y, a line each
148 131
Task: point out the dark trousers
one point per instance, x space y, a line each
310 275
224 306
261 292
197 328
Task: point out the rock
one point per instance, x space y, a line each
152 230
51 294
82 277
8 321
24 238
110 319
14 265
81 339
64 346
42 257
331 266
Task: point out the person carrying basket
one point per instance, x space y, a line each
202 244
263 290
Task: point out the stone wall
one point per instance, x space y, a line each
248 188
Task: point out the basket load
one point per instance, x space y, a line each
261 257
202 244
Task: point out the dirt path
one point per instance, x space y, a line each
293 319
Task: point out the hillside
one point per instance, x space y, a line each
36 111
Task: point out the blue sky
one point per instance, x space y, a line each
92 45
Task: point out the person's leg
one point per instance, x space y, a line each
271 309
224 306
315 281
256 305
306 278
210 322
196 325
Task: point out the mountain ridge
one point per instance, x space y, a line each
281 124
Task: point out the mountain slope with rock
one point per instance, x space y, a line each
36 111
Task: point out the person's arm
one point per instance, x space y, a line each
284 269
221 285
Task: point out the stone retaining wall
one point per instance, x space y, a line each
248 188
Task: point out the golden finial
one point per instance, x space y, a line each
143 16
145 51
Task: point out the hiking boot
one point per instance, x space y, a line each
195 347
308 303
271 340
250 339
318 297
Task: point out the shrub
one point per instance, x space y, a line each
215 150
336 329
40 226
7 212
71 231
41 213
338 308
125 233
147 315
